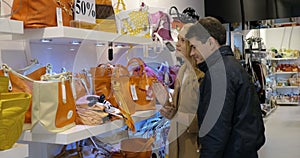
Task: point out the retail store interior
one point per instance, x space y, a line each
264 35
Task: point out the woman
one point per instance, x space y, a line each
183 132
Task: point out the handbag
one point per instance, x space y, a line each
41 13
12 114
105 16
134 147
101 76
160 23
189 15
53 103
134 22
141 79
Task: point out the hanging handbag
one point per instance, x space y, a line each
140 81
133 22
189 15
105 16
53 104
12 114
160 23
42 13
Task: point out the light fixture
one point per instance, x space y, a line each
99 44
75 42
45 40
119 45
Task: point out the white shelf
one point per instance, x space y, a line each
287 103
65 35
9 27
280 59
282 73
17 151
287 87
80 132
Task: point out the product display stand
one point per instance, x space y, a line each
17 151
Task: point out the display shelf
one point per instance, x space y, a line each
286 87
9 27
65 35
281 73
287 103
17 151
282 59
80 132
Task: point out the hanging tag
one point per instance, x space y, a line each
59 18
85 10
64 93
149 95
133 92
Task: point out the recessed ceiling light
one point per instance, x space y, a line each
100 44
46 40
75 42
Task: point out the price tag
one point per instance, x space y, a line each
85 10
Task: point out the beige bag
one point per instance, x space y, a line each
53 104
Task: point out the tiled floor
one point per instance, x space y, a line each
282 133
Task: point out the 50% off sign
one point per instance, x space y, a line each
85 10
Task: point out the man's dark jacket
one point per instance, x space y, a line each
238 131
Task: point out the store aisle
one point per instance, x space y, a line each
282 133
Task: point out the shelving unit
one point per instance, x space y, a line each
17 151
9 28
29 42
80 132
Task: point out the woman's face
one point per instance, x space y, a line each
181 45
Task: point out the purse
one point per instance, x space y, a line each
189 15
133 22
135 147
160 23
105 16
53 104
141 79
41 13
12 114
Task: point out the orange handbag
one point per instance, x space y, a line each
41 13
141 84
101 77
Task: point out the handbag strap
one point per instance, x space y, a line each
120 2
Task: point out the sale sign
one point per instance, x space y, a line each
85 10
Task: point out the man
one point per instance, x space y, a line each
229 115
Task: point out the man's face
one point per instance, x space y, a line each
199 50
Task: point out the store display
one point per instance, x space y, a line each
13 107
42 13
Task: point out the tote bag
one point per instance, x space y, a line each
53 104
41 13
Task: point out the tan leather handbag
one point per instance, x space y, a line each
141 84
41 13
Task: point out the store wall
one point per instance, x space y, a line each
198 5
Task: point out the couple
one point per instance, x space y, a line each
215 110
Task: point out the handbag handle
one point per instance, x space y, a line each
33 62
140 63
120 2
